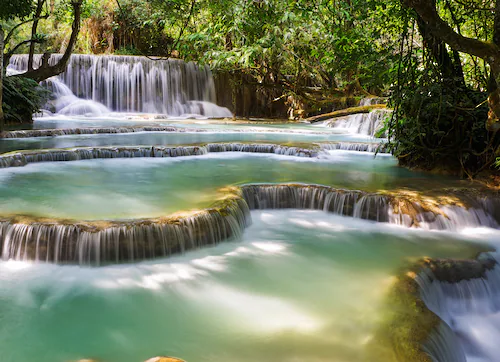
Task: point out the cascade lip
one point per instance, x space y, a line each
24 157
298 149
150 128
399 201
63 241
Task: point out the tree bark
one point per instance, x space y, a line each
490 52
428 12
345 112
34 27
46 71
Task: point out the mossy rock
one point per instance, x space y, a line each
165 359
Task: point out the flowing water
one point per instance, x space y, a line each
129 188
277 295
175 138
287 285
95 85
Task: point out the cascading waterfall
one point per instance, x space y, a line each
17 159
25 238
370 101
88 131
371 206
469 306
114 242
444 346
361 123
130 84
355 146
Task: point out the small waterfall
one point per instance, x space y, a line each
355 146
361 123
370 206
96 243
444 346
131 84
17 159
370 101
261 148
66 103
87 131
343 202
466 296
113 242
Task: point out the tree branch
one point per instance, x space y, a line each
11 32
428 12
43 73
11 52
38 13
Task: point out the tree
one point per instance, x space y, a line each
441 119
45 70
488 51
10 10
25 12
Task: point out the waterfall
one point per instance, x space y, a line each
361 123
444 346
17 159
371 206
130 84
113 242
370 101
467 299
103 242
87 131
355 146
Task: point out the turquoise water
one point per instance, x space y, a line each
148 187
300 286
166 138
121 119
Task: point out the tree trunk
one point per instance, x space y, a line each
1 79
46 71
34 27
489 51
450 68
345 112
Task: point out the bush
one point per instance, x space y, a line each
21 99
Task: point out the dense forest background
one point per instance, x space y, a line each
437 61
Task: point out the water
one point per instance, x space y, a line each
363 123
93 85
278 295
294 286
150 187
164 138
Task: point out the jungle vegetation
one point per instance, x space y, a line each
438 61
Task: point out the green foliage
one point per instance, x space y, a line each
10 9
439 122
22 97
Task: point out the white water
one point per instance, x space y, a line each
278 295
471 308
368 124
93 85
